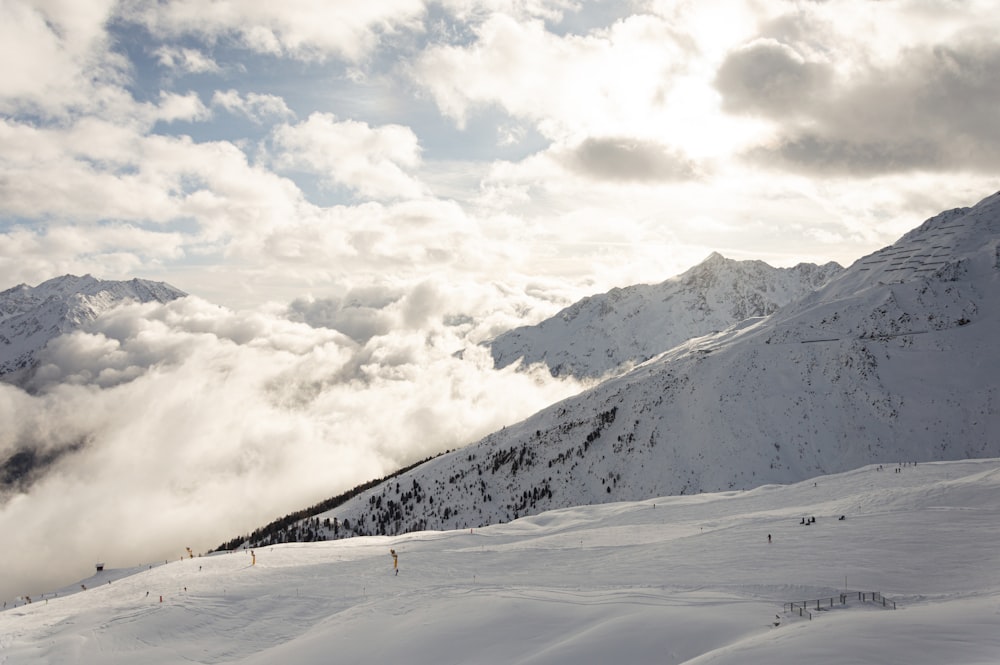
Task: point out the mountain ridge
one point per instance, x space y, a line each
610 332
889 361
32 316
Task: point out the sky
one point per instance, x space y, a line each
672 580
358 196
260 152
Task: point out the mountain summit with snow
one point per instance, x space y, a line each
893 360
624 327
31 316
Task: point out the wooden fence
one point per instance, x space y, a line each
803 606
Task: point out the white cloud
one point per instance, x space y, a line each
305 29
370 160
611 81
186 60
255 106
245 416
57 57
174 107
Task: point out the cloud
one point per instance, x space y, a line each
843 103
244 416
109 171
186 60
63 61
257 107
550 10
611 81
369 160
627 160
302 29
360 314
188 108
768 77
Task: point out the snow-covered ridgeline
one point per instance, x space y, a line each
31 316
612 331
892 360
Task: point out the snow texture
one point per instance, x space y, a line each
609 332
894 359
678 580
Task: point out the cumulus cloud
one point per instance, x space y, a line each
930 110
304 29
255 106
114 177
62 58
846 104
372 161
212 421
174 107
186 60
769 77
607 82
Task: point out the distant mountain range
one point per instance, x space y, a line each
31 316
613 331
894 359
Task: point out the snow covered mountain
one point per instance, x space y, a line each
893 360
627 326
31 316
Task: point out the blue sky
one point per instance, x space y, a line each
254 152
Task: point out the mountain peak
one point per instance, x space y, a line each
714 257
621 328
31 316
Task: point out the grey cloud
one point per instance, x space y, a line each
770 78
833 155
361 314
628 159
934 108
367 312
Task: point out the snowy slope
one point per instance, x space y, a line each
30 317
677 580
627 326
895 359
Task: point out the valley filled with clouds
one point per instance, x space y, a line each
166 426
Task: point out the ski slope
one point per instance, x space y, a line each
687 579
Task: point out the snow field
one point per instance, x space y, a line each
688 579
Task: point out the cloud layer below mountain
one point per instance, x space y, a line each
213 421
